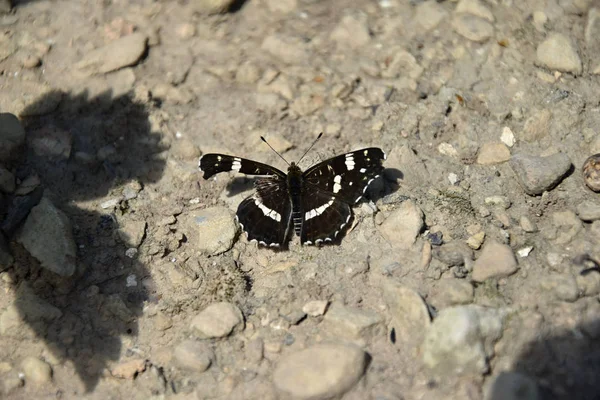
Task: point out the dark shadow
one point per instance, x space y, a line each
85 317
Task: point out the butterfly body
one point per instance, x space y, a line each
317 203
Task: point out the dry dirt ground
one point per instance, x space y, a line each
468 272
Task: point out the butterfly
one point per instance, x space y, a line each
317 203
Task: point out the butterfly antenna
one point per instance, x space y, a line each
276 152
311 146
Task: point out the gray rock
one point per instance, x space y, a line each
320 372
48 236
429 14
461 340
118 54
211 6
408 311
132 232
512 386
472 27
453 253
192 355
495 261
403 225
218 320
562 287
351 323
212 229
352 31
558 52
36 371
451 292
588 210
539 174
12 136
7 181
493 153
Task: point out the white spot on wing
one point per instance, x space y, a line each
267 211
237 164
319 210
337 183
363 170
350 162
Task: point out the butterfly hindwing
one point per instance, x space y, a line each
347 176
212 164
325 216
265 216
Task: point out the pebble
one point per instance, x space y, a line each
493 153
193 355
352 31
290 50
31 61
51 142
132 232
333 129
524 251
247 73
185 31
7 181
129 369
12 136
320 372
214 229
351 323
48 236
36 371
460 340
403 225
315 308
218 320
539 174
508 137
115 305
588 210
408 311
558 52
447 149
429 14
474 7
475 241
495 261
562 287
451 292
211 6
567 226
111 203
118 54
473 28
500 201
512 386
527 224
591 172
453 253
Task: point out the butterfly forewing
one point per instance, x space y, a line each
348 175
325 216
212 164
265 216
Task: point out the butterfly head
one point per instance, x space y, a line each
294 169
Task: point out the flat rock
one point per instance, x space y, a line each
472 27
565 226
451 292
403 225
537 125
320 372
408 311
351 323
539 174
558 52
218 320
36 371
48 236
495 261
493 153
12 136
429 14
118 54
512 386
588 210
315 308
212 229
461 340
193 355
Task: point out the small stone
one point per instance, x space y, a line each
51 142
409 313
557 52
247 73
12 136
194 356
111 203
129 369
473 28
567 226
212 229
132 232
451 292
211 6
320 372
36 370
218 320
524 251
48 236
7 181
403 225
512 386
115 305
333 129
563 287
493 153
474 7
118 54
185 31
539 174
460 340
254 350
454 253
429 14
31 61
588 210
475 241
508 137
527 224
537 126
447 149
352 31
315 308
591 172
351 323
496 261
498 201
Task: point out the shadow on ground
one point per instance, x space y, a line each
85 319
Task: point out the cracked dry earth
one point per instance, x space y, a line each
470 271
